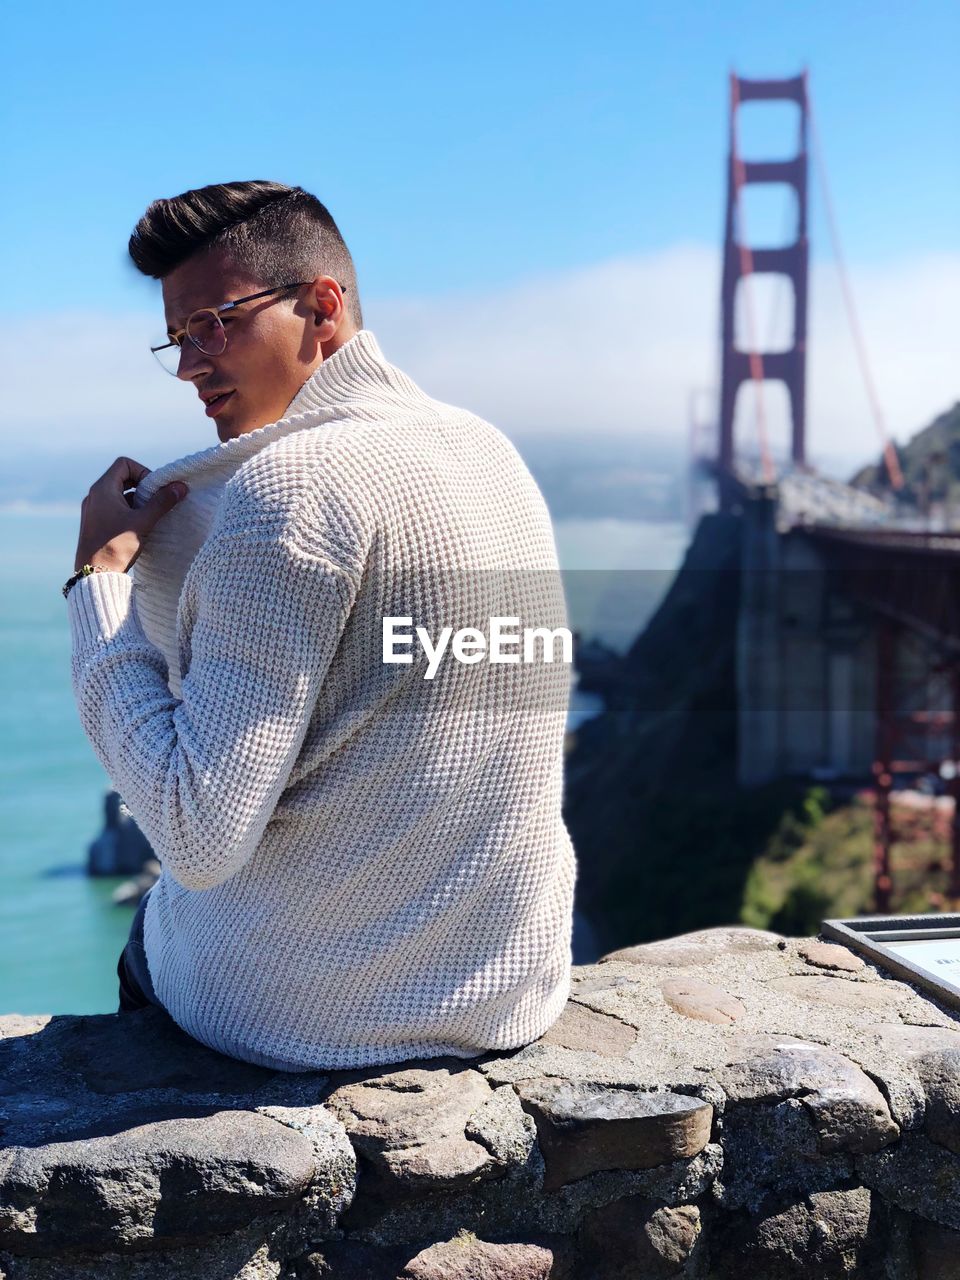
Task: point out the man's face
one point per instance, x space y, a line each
273 344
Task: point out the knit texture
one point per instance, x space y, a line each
359 865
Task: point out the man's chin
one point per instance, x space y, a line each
229 426
230 431
230 423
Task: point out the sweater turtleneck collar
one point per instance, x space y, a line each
357 380
357 371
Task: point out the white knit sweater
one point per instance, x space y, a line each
359 865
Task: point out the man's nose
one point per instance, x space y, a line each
192 361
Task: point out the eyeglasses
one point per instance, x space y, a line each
205 329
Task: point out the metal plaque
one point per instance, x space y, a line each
924 950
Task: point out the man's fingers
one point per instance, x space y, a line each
164 500
124 472
131 467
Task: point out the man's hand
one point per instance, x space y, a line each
111 530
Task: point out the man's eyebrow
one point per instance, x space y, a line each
171 329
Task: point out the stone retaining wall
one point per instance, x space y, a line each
720 1102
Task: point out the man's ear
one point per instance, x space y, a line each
323 301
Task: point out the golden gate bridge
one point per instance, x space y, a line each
848 646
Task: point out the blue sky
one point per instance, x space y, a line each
457 149
465 154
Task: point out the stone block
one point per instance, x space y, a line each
830 1235
635 1236
584 1128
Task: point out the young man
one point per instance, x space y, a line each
363 856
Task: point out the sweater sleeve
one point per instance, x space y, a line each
260 621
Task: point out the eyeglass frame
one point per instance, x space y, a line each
176 338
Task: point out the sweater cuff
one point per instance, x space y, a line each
98 605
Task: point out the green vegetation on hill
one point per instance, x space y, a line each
930 462
818 862
784 856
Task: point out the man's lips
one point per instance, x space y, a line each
215 404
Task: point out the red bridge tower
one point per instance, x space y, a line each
740 261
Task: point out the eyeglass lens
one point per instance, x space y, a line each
204 330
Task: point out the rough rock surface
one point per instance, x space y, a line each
723 1100
586 1127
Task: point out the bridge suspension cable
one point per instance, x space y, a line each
886 444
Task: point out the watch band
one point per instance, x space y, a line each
84 573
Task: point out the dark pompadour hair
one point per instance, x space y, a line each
274 232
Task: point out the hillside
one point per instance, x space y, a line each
930 462
666 840
819 861
662 838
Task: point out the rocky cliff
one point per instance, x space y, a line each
650 795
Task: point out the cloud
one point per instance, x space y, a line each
613 348
81 381
620 347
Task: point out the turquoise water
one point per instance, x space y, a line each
60 933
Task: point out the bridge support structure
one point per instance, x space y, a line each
740 261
